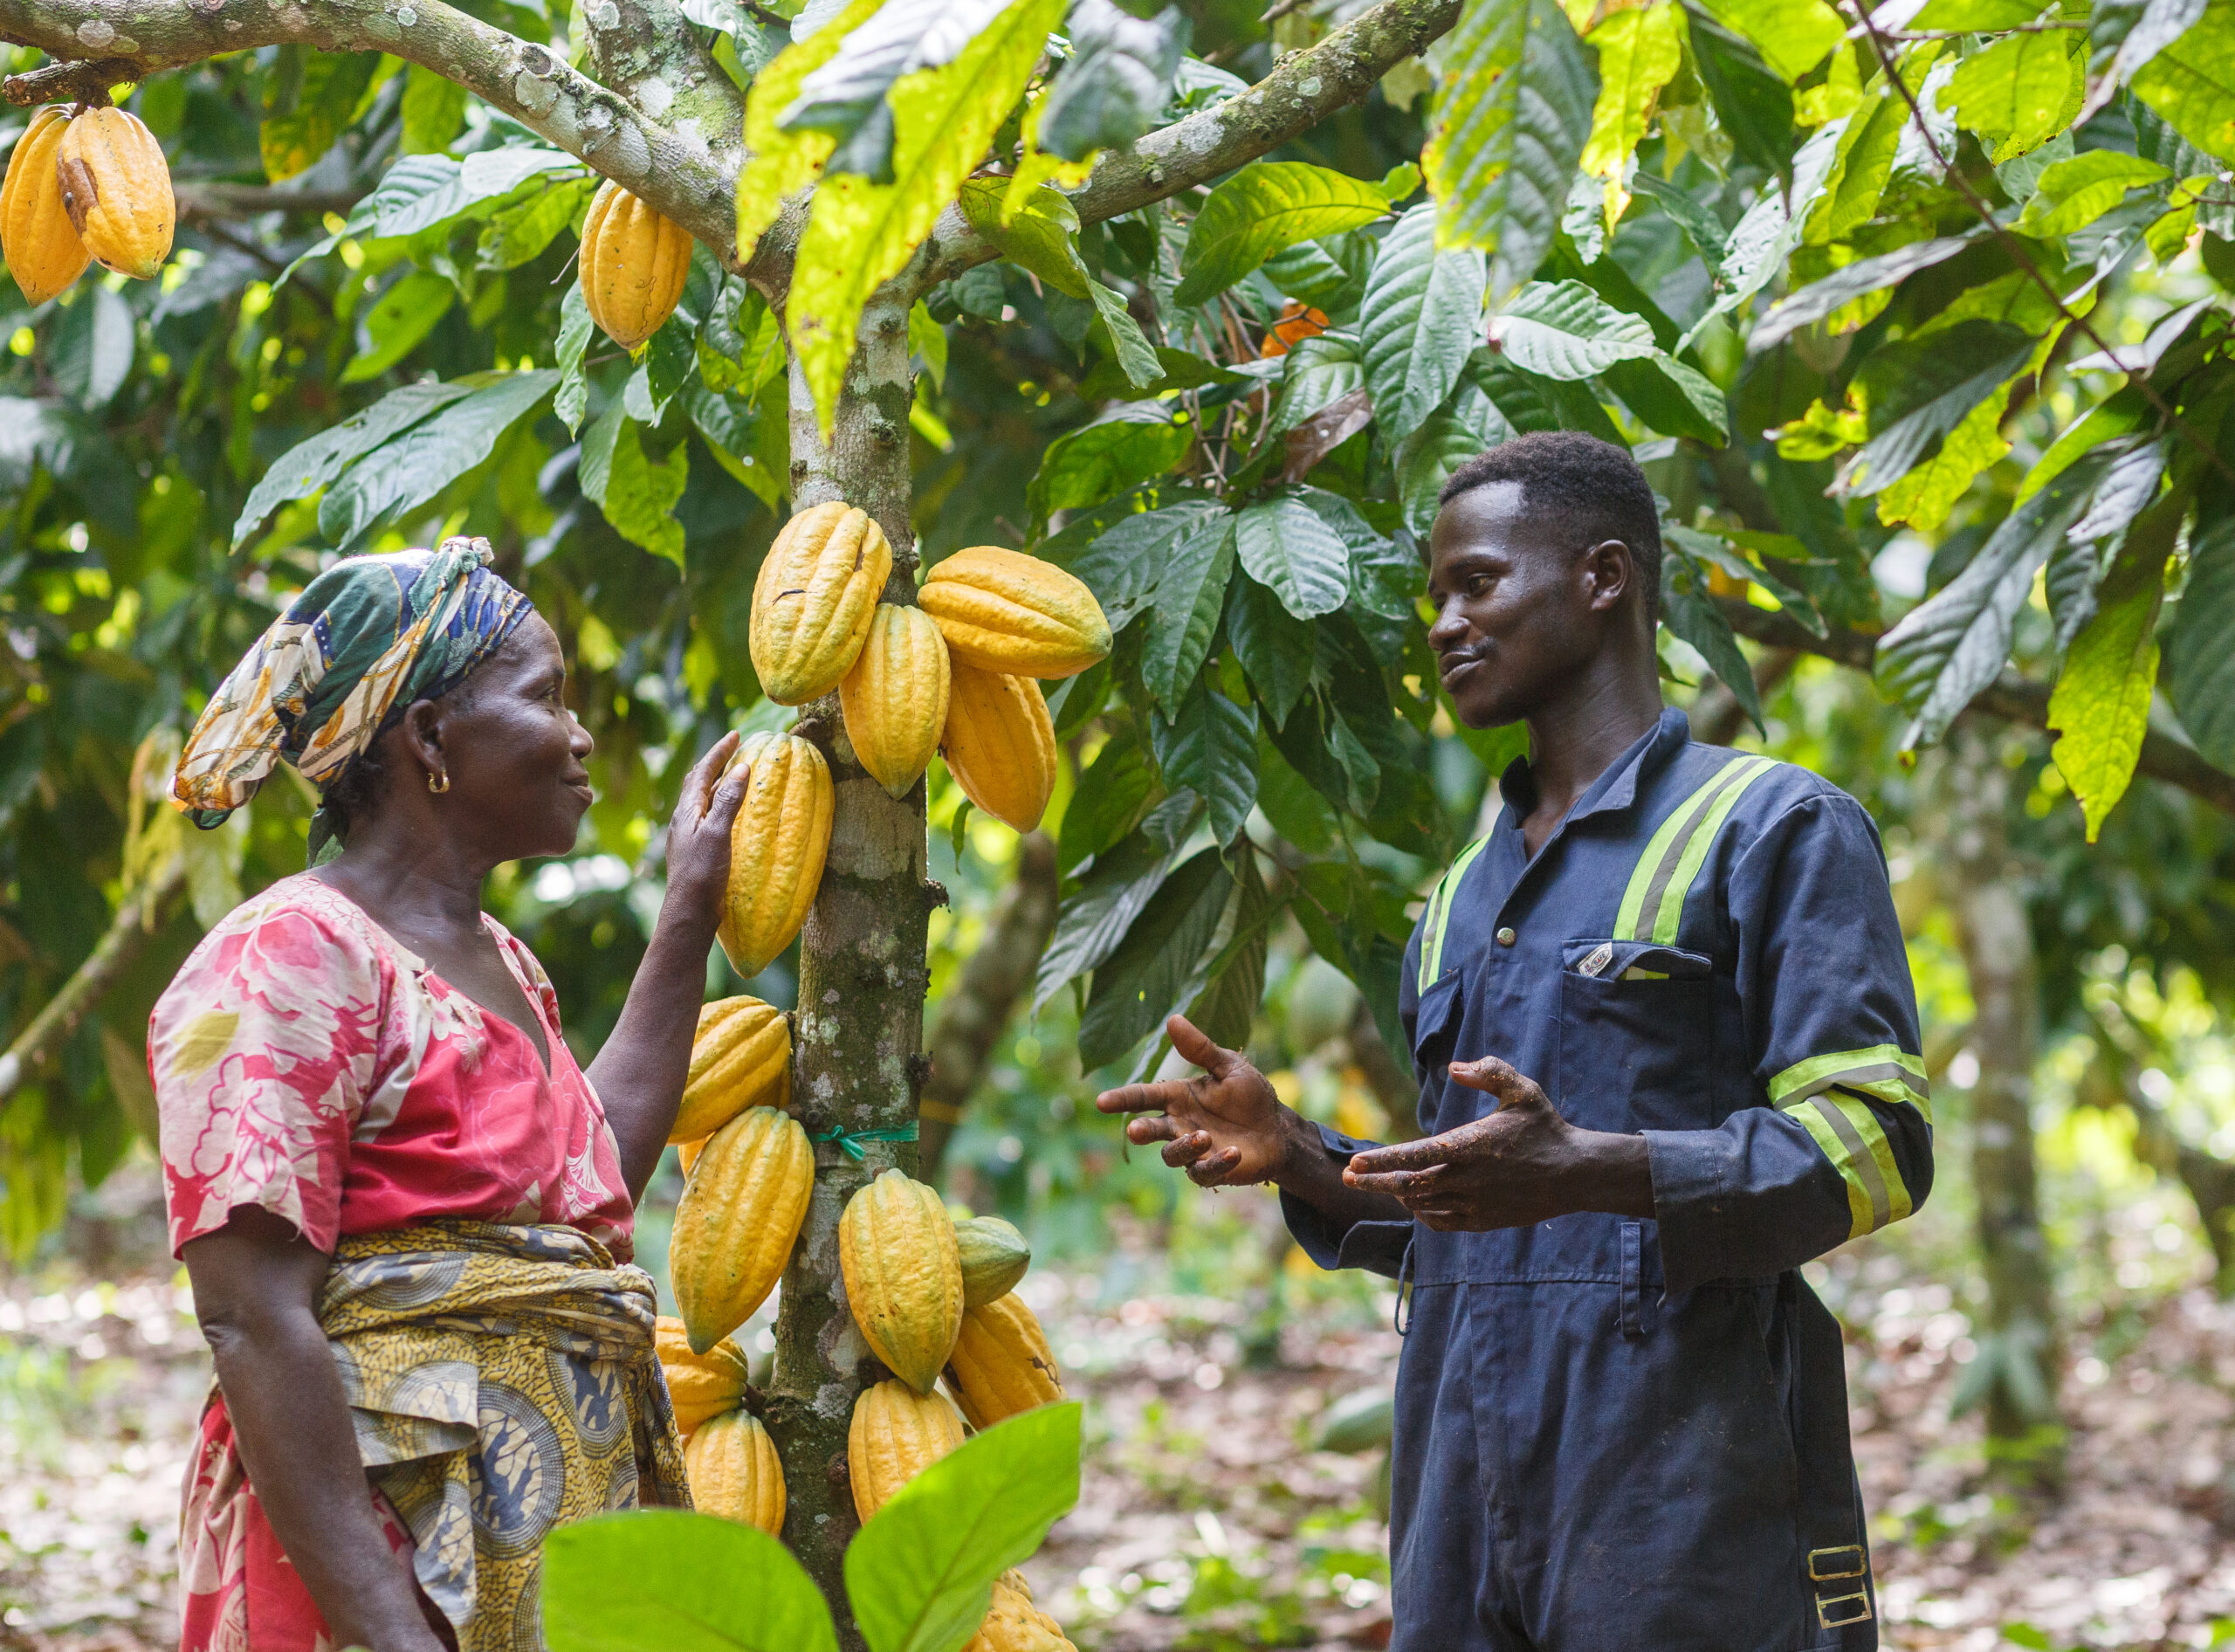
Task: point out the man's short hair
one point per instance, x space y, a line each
1596 487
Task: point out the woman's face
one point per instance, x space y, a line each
513 750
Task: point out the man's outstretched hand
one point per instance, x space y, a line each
1224 1129
1522 1164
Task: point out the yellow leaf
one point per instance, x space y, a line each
778 162
1639 53
2100 709
862 234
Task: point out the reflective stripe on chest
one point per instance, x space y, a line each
1653 905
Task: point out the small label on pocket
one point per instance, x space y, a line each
1598 960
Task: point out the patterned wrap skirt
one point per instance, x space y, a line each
502 1381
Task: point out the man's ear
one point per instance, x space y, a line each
1610 568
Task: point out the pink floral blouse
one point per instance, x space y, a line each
305 1062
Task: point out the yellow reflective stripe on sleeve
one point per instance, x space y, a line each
1653 905
1438 915
1855 1143
1887 1071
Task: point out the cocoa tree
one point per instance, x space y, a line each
1848 283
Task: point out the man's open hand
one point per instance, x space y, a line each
1522 1164
1224 1129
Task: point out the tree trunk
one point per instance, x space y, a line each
2017 1388
972 1015
857 1034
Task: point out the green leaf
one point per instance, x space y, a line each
93 347
1153 971
1318 373
291 141
2072 194
309 466
1113 90
1753 106
1467 425
409 469
1329 274
1793 36
2122 505
1209 745
1288 547
1673 397
1035 236
1975 16
680 1582
1866 154
779 163
433 111
1765 237
2187 82
1273 646
1189 594
2017 91
927 342
1929 388
1101 460
1126 548
1947 649
2100 709
575 329
516 234
1810 304
1227 1007
1686 610
394 326
2200 650
637 496
920 1574
1640 51
1108 794
860 234
1698 221
1506 132
1091 924
1564 330
750 443
1422 316
1264 208
1137 358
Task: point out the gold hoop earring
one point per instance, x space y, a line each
438 783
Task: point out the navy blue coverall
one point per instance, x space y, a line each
1613 1433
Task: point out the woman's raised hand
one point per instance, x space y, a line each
698 835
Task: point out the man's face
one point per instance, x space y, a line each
1521 604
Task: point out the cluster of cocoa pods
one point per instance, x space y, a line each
954 675
89 187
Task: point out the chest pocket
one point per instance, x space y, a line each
1435 1030
1637 1010
1637 1040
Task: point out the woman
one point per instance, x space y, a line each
405 1211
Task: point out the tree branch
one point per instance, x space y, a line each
679 170
648 52
136 921
67 82
1303 89
2010 697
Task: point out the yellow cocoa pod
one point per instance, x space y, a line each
686 1153
776 847
37 238
903 1276
742 1057
895 1436
1014 1624
734 1472
995 1255
999 744
634 264
1001 1363
895 698
116 186
740 1210
1004 611
699 1386
814 598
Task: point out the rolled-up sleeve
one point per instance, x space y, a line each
1839 1143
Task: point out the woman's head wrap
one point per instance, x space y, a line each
339 669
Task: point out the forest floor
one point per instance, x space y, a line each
1208 1520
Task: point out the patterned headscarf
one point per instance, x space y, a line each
339 669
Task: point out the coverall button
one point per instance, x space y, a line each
1505 937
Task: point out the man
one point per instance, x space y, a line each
1667 1049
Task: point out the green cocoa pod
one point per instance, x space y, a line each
995 1257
